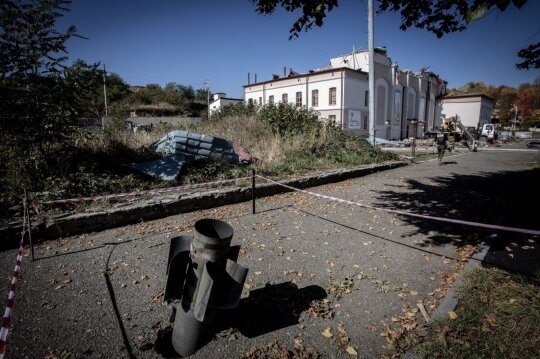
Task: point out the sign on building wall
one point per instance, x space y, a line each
354 120
397 107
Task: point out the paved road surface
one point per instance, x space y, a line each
99 295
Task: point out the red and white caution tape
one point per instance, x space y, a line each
411 214
4 331
147 192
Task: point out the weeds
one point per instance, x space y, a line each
498 317
286 140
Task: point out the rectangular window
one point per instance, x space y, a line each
365 122
366 98
315 98
332 119
397 107
332 96
250 102
271 99
299 99
284 98
260 101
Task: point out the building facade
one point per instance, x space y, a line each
339 93
219 101
474 110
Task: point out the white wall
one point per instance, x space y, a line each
222 102
351 87
304 85
355 109
468 112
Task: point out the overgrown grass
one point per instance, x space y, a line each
285 140
498 316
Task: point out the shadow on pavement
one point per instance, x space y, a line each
506 198
271 308
112 295
266 309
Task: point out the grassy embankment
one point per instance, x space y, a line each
288 141
498 316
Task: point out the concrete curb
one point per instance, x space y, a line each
450 301
67 225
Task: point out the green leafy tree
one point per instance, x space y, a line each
93 106
41 97
437 16
151 94
530 57
202 95
289 120
504 108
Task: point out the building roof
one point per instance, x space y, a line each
310 73
228 98
467 95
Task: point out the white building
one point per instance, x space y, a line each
339 93
474 110
221 101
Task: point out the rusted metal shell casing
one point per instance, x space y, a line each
204 276
211 240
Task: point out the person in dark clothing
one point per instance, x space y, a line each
441 140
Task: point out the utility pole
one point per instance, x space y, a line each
105 89
207 86
371 74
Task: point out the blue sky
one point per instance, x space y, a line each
188 42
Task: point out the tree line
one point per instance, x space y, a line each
150 100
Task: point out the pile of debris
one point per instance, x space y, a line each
179 147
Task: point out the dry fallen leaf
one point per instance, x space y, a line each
327 333
452 315
352 351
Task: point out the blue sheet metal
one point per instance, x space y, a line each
178 147
193 145
166 168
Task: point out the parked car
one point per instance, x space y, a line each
533 143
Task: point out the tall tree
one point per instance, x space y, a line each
437 16
40 95
504 108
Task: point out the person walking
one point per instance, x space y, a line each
441 140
